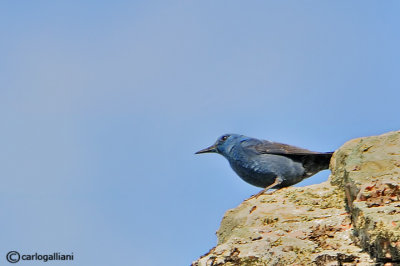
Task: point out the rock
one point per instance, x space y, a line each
368 170
353 219
292 226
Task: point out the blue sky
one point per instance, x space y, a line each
103 105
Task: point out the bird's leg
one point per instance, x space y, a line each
277 181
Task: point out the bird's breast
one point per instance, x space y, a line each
253 172
262 170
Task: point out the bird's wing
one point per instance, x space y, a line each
268 147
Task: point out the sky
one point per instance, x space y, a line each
102 106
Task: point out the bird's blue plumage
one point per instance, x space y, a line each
264 163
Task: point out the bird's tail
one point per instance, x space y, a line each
317 162
324 160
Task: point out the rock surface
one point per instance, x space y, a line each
353 219
368 170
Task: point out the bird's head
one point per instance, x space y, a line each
223 145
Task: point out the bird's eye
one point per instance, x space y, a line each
225 137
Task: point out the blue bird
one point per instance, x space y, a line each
267 164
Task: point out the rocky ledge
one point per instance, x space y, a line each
352 219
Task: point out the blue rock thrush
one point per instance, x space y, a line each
267 164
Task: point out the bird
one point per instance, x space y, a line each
267 164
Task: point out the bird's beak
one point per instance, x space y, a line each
212 148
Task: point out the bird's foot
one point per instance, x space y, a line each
272 192
257 195
262 192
